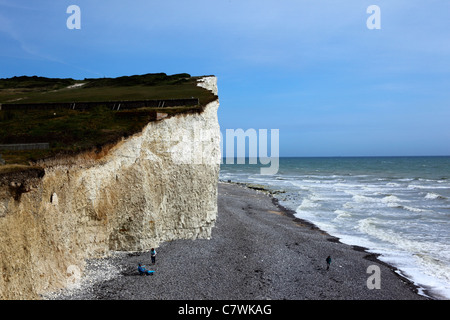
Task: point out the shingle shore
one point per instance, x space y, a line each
258 250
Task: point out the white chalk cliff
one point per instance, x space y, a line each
155 186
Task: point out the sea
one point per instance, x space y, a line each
397 207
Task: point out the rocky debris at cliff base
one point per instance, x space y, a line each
96 271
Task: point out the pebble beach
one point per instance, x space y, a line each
258 251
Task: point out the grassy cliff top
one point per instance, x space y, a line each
72 131
18 90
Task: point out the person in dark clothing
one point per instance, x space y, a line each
153 255
328 262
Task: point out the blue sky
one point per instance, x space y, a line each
311 69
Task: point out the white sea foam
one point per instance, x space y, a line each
348 185
363 199
433 196
342 214
348 205
308 204
311 181
416 186
413 209
374 227
391 199
427 253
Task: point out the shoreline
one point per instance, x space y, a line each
258 250
374 257
370 256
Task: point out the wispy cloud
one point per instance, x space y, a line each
24 48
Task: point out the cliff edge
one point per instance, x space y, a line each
154 186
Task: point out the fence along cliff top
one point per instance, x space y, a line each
114 105
148 89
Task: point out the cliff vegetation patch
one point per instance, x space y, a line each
69 116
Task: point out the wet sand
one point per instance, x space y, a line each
258 251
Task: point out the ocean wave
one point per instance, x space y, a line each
326 196
393 184
359 198
300 186
407 208
413 209
391 199
348 205
435 266
342 214
370 226
363 199
348 185
307 204
415 186
433 196
314 197
373 227
311 181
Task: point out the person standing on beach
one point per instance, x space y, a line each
328 262
153 255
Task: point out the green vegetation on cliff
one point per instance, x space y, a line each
34 89
72 131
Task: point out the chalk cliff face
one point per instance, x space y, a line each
156 186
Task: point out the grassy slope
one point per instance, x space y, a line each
72 131
150 86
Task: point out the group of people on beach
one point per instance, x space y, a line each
142 270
